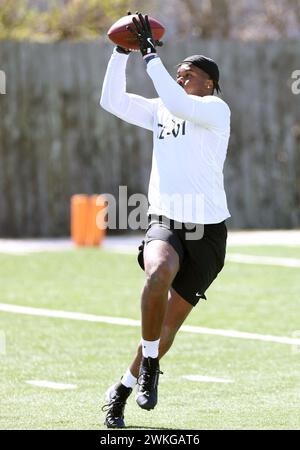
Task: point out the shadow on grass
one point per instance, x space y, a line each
147 428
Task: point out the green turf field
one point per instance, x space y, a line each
264 394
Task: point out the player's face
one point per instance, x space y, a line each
194 80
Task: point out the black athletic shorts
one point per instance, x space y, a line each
200 260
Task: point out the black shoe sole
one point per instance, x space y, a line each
114 426
146 407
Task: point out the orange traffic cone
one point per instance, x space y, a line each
79 214
87 221
95 231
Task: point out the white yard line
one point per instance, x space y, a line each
51 384
130 242
234 258
129 245
15 309
289 238
237 258
262 260
241 335
205 379
67 315
27 246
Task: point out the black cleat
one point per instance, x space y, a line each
146 396
117 396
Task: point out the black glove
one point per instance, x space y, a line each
143 33
122 50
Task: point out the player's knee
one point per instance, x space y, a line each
159 275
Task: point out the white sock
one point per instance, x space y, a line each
128 380
150 348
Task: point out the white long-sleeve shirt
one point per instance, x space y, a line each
190 140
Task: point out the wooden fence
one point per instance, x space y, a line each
55 140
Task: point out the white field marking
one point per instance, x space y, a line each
136 323
26 246
205 379
241 335
68 315
265 260
130 243
232 257
51 384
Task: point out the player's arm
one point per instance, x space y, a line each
209 112
114 98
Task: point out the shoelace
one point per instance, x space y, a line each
146 380
115 406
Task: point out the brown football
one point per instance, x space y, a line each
124 38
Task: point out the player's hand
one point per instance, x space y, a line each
125 51
142 31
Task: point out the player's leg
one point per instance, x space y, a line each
161 266
197 273
161 263
203 260
177 311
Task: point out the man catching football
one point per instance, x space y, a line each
191 129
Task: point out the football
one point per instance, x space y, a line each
124 38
